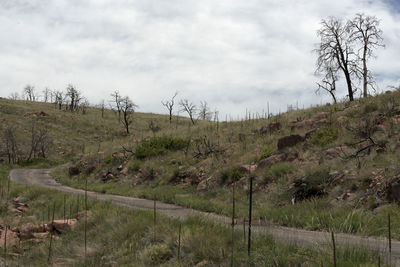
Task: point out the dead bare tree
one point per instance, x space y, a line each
46 94
127 108
364 141
30 92
169 104
74 97
14 96
154 127
335 49
204 147
58 99
102 107
328 83
365 31
11 145
204 111
117 99
84 104
39 142
189 108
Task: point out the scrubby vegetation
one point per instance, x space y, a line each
335 166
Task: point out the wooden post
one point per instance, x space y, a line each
77 206
154 217
8 188
5 245
250 211
51 233
233 222
70 211
179 241
64 206
85 218
2 191
390 240
334 249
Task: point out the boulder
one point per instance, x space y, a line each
271 160
331 153
320 116
26 231
310 133
11 236
318 123
289 141
274 159
108 176
271 128
74 170
263 130
397 146
90 169
248 168
394 191
60 226
124 171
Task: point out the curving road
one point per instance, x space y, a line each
41 177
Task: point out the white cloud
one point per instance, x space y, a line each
234 54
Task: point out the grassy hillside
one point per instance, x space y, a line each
341 175
338 170
121 237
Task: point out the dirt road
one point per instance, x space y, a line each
41 177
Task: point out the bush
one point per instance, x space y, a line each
267 151
370 107
231 175
159 145
282 168
312 184
325 136
156 255
277 171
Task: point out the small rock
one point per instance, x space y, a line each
12 237
248 168
124 171
74 170
202 263
289 141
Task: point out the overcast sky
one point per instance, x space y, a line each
235 54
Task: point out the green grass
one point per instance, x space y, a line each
124 237
314 214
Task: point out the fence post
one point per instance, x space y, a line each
390 240
334 249
51 232
250 211
233 222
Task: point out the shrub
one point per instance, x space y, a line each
370 107
282 168
230 175
312 184
156 255
267 151
325 136
134 165
159 145
277 171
